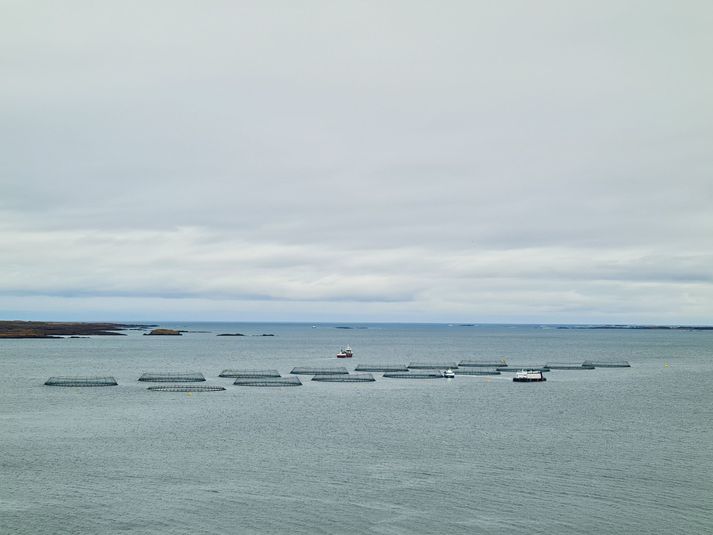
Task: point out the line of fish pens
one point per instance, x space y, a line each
363 373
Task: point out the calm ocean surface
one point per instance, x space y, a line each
603 451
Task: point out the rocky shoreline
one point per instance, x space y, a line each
49 329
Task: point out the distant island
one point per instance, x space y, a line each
643 327
241 334
50 329
164 332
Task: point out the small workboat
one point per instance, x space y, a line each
528 376
449 374
345 353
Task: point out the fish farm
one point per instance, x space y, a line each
608 363
482 364
432 365
82 381
348 378
172 377
569 366
513 368
185 388
476 372
381 368
268 381
249 373
319 371
433 374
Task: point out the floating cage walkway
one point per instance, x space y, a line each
82 381
432 365
569 366
185 388
516 368
482 364
172 377
249 373
608 363
476 372
319 371
268 381
349 378
381 368
433 374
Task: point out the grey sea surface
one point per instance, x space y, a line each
595 451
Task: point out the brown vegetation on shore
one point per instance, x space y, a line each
50 329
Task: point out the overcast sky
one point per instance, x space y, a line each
546 161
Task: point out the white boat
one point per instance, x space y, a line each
528 376
449 374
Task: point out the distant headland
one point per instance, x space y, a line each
643 327
50 329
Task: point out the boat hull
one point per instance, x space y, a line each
528 380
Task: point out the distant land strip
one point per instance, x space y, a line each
44 329
645 327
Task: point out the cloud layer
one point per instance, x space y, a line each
400 162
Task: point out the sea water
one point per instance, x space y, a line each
589 451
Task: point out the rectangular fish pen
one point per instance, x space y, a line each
319 371
381 368
476 372
349 378
421 374
569 366
432 365
268 381
186 388
85 380
172 377
249 373
608 363
482 363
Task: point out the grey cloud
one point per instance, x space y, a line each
397 156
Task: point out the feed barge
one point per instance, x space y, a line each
529 376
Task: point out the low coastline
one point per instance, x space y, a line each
51 329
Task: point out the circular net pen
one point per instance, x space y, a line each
185 388
268 381
513 368
481 364
81 381
608 363
569 366
172 377
421 374
476 372
381 368
432 365
249 373
349 378
337 370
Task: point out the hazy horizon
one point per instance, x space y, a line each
463 163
